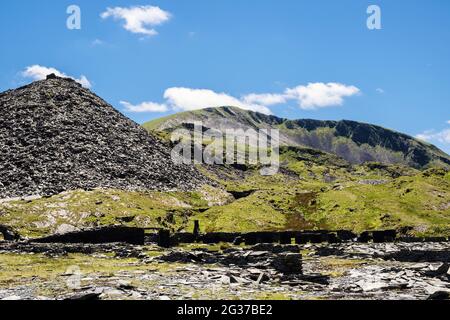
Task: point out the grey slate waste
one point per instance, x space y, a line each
57 136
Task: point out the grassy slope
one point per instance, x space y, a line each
105 207
281 202
420 200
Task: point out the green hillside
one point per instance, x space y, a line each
353 141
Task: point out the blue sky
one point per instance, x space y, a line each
288 50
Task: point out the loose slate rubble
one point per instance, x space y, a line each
440 295
359 271
419 256
57 136
288 263
275 262
55 250
91 296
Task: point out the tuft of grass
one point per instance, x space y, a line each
335 267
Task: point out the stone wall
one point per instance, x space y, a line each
293 237
99 235
165 239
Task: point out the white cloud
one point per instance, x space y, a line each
321 95
144 107
139 19
432 136
425 136
379 90
84 82
310 97
37 72
266 99
97 42
448 122
193 99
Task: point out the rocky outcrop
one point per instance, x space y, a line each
9 234
288 263
57 136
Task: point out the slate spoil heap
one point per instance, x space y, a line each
57 136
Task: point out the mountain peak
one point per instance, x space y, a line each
353 141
